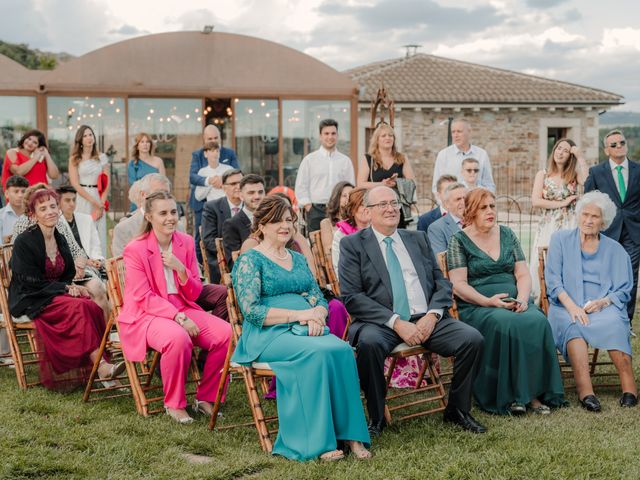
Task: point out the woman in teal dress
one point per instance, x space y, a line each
486 265
143 161
285 325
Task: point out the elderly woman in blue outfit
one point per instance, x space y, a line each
284 311
589 281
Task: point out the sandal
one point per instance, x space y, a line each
517 408
332 456
540 409
181 420
199 407
115 370
360 452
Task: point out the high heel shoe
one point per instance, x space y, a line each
115 370
198 407
181 420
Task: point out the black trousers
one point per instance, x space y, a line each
450 338
314 216
633 249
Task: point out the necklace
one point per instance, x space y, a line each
284 257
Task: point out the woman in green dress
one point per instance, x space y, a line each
285 325
492 283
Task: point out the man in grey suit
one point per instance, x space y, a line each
441 230
214 215
395 293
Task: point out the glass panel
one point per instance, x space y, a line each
17 115
300 120
175 124
257 138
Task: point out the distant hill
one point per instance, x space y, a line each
620 119
32 58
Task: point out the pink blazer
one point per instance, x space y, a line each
145 293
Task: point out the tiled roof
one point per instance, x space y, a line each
429 79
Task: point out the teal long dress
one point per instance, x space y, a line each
316 377
519 361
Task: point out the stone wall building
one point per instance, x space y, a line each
515 117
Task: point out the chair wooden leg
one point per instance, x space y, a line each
96 363
221 387
256 410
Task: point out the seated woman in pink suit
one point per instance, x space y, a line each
162 283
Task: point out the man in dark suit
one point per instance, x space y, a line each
236 229
431 216
214 215
396 293
198 161
619 178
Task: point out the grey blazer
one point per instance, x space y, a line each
440 232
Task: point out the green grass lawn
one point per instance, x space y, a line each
48 435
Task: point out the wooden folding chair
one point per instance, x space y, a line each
318 256
222 259
565 367
205 263
21 334
432 393
140 374
256 373
444 267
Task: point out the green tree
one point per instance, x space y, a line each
33 59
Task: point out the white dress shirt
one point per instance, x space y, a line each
415 293
449 161
625 173
8 218
232 206
318 174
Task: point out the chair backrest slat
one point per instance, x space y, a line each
233 309
542 259
442 263
221 257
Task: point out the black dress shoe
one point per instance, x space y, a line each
376 428
628 400
591 403
463 419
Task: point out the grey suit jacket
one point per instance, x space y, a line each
365 283
440 232
214 215
125 230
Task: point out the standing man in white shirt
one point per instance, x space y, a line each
319 172
449 160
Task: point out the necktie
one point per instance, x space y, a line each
400 298
235 210
621 186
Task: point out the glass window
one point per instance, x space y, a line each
105 115
17 116
256 133
175 124
300 120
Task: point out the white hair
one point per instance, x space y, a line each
603 202
134 192
145 181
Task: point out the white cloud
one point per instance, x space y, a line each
613 39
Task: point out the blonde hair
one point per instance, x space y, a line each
374 150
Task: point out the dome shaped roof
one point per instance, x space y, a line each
14 76
195 63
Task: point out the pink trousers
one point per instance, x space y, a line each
175 345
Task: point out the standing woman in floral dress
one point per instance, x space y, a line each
85 166
555 191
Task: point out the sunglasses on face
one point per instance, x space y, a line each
472 170
621 143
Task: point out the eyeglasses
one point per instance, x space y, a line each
384 205
472 170
621 143
232 184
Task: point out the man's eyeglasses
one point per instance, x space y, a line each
384 205
232 184
621 143
472 170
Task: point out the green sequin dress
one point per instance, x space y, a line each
520 360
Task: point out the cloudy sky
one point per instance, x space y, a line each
589 42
